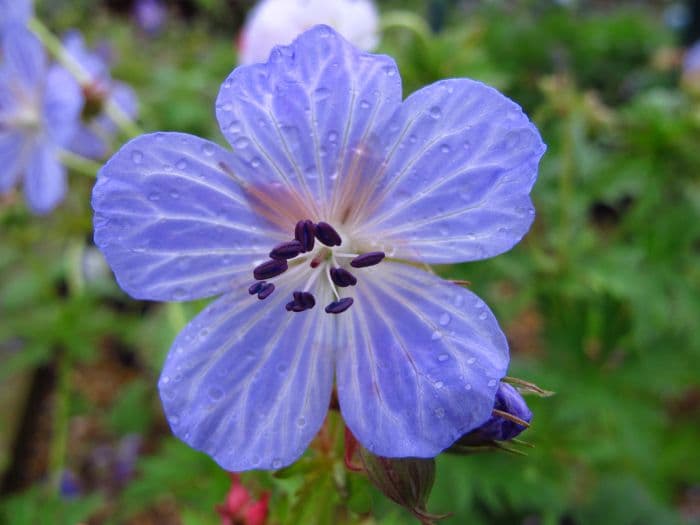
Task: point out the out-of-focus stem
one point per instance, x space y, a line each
407 20
59 431
79 163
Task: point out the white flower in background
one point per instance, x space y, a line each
279 22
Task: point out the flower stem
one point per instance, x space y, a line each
56 48
59 432
409 21
79 163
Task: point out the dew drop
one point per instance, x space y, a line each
137 157
154 196
364 104
234 127
181 164
241 143
435 112
281 368
174 420
483 316
439 384
471 360
165 380
443 357
467 387
492 383
174 194
478 304
389 71
439 413
445 319
332 136
208 149
445 148
215 393
255 162
301 421
436 335
276 463
322 93
412 139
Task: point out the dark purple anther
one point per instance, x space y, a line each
367 259
304 299
256 287
304 233
268 269
339 306
265 290
342 277
327 234
286 250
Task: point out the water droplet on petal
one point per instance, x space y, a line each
483 316
467 387
174 194
439 413
181 164
445 319
492 383
241 143
445 148
435 112
215 393
255 162
208 149
443 357
364 104
471 360
439 384
276 463
137 157
173 420
234 127
436 335
154 196
301 421
332 136
458 300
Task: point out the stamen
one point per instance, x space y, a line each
256 287
304 233
367 259
302 301
271 268
266 291
337 307
342 277
327 234
287 250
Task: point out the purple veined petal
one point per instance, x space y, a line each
24 55
172 223
249 383
461 160
63 102
306 119
422 365
13 146
45 182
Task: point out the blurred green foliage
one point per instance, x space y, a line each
600 301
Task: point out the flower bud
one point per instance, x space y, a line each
498 427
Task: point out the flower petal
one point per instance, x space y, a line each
63 103
45 182
461 160
249 383
172 223
299 120
12 148
422 362
24 55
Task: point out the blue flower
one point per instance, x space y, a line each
14 12
39 110
93 136
335 193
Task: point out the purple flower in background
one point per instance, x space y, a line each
335 192
14 12
149 15
39 110
93 136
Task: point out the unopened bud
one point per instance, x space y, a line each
406 481
510 417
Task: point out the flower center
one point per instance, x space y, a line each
323 259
